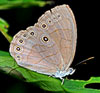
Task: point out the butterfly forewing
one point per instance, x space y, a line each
62 31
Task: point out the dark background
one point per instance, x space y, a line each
86 14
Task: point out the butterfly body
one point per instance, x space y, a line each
49 46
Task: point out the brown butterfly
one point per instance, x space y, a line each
49 46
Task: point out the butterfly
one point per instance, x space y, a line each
49 46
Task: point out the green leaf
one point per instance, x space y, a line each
45 82
78 86
4 25
7 4
4 29
3 53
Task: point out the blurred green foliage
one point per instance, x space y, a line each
4 29
7 4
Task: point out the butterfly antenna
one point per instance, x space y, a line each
84 61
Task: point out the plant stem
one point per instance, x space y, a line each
6 35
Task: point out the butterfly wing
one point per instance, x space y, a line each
60 25
49 45
68 43
26 50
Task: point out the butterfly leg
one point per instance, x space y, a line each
62 80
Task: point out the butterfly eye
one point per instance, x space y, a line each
32 33
20 41
25 36
49 21
44 25
18 58
18 49
45 39
22 34
54 19
58 16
